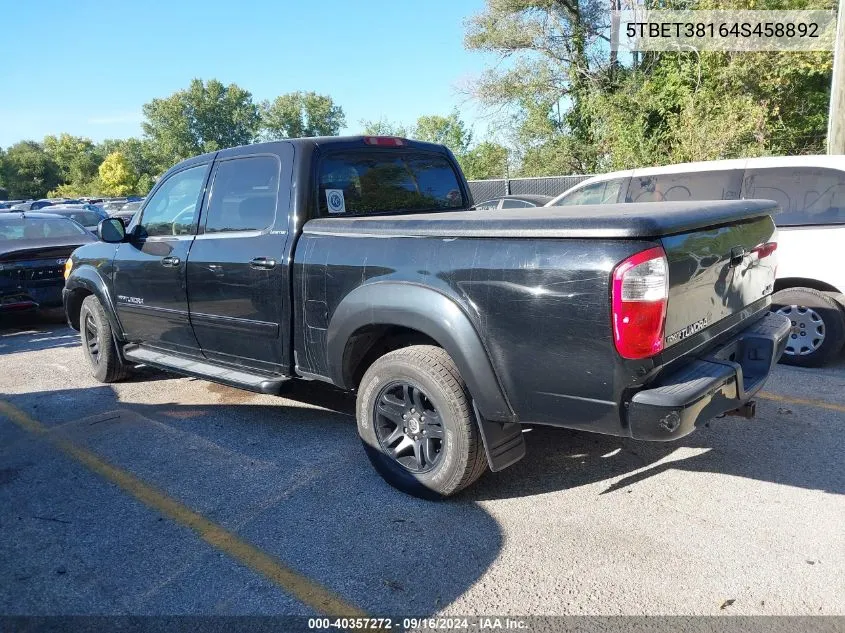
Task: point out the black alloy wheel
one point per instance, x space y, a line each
92 340
408 426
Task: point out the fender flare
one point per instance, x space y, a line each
430 312
88 278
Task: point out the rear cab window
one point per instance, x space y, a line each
372 181
806 195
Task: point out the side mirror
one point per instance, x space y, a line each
111 230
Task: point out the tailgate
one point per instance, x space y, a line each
717 272
19 276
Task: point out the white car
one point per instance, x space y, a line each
811 193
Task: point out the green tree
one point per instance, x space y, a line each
484 161
299 115
709 106
75 190
142 156
571 106
556 54
205 117
445 130
383 127
145 184
28 172
117 178
5 191
76 157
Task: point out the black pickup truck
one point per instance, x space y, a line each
359 261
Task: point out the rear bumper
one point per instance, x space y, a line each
45 295
722 380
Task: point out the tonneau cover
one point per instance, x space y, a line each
631 220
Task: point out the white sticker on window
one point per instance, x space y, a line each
335 201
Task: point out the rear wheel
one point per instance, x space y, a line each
98 342
818 326
416 422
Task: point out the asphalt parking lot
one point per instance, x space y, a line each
167 495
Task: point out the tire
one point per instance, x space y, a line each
817 314
98 342
420 381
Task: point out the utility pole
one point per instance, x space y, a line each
836 122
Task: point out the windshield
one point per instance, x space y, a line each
380 181
39 229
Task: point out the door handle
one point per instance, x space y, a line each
170 261
262 263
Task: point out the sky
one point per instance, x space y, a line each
87 67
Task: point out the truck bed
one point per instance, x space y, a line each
644 220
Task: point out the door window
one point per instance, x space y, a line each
172 209
510 203
806 195
698 185
243 195
604 192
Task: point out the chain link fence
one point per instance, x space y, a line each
547 186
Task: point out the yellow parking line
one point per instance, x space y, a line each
821 404
20 418
302 588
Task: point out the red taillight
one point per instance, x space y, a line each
640 295
764 250
384 141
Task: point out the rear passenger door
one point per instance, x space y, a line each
238 292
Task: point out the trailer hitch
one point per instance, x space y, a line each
747 410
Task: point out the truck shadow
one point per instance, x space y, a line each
291 480
795 448
33 332
780 446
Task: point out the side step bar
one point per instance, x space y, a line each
242 379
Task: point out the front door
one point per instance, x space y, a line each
149 269
236 270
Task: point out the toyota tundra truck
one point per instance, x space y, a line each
360 262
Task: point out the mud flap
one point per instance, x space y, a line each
503 441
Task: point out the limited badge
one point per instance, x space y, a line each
335 201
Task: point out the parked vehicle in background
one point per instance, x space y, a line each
356 261
127 211
33 250
514 202
811 193
88 215
32 205
112 204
